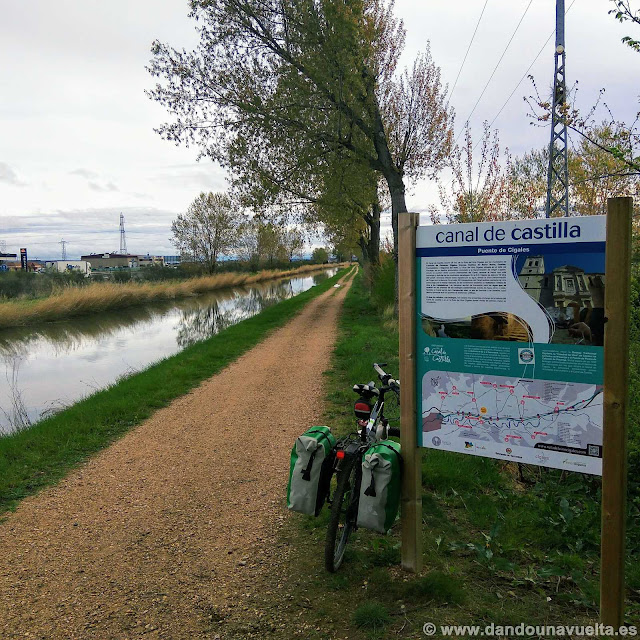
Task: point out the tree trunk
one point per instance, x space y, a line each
393 175
398 206
373 248
363 243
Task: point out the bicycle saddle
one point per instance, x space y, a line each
367 389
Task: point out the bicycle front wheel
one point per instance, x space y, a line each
344 511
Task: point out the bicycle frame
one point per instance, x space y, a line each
376 412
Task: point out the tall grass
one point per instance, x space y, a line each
95 298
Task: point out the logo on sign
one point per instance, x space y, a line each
436 354
526 356
436 441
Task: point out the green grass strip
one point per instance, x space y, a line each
363 338
41 455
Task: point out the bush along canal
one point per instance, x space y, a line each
40 455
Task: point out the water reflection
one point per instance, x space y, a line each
54 365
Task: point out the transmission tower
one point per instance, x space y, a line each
123 239
558 174
64 248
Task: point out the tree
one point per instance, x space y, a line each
208 230
277 89
624 13
596 174
624 144
476 193
247 243
349 208
483 189
270 244
528 184
293 243
319 255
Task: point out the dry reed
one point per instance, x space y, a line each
95 298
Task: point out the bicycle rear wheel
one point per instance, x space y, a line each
344 511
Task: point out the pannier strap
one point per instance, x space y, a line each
371 489
306 473
400 460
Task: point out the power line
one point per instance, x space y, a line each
497 65
526 73
468 49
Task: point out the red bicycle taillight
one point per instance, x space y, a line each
362 408
340 455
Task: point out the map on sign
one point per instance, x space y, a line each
543 422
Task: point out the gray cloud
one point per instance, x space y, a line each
8 175
213 180
85 173
94 186
92 181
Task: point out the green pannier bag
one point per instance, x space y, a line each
310 470
380 487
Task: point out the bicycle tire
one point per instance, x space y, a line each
342 518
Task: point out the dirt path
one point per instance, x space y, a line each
167 533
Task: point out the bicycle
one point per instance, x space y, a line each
374 427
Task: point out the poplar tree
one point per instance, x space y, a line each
208 229
278 91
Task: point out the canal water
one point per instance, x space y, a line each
50 366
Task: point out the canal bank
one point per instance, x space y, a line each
53 365
72 302
42 454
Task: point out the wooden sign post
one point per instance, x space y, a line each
412 468
616 368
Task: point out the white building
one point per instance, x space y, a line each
63 266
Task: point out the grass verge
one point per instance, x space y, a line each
42 454
496 549
94 298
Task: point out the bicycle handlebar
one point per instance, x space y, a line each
385 378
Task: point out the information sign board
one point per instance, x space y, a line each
509 340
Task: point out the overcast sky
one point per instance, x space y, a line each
77 145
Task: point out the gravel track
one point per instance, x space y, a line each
172 530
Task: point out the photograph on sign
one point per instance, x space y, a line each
510 331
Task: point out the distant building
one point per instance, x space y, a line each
32 265
111 261
64 266
566 288
7 257
151 261
172 261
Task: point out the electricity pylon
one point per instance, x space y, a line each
123 239
558 174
